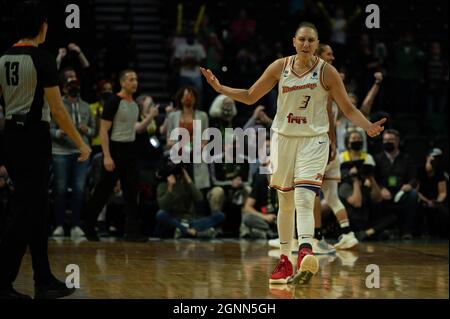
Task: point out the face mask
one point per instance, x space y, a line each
356 145
227 111
73 91
389 147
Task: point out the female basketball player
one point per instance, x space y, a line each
300 143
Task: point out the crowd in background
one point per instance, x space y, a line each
393 186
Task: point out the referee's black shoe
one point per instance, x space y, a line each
11 293
90 232
53 290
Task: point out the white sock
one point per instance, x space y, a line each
344 223
285 221
304 203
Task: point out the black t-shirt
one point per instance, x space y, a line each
429 184
393 175
24 73
263 195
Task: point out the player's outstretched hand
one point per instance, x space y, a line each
212 80
376 128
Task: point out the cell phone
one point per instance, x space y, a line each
154 141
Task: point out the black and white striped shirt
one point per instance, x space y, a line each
25 71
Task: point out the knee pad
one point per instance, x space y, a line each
304 203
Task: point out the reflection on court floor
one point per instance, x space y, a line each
237 269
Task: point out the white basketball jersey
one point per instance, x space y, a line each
302 101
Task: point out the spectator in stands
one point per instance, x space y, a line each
67 73
396 174
186 102
380 51
230 180
163 128
177 196
114 216
214 53
259 119
339 29
66 166
104 92
406 70
71 56
247 65
242 28
359 190
147 133
343 125
339 25
259 215
432 188
150 153
187 58
222 113
436 80
231 186
366 64
205 29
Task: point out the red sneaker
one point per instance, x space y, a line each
307 266
283 272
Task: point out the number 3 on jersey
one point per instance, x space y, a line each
12 73
304 102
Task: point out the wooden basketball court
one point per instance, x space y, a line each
235 269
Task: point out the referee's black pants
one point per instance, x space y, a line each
126 169
28 155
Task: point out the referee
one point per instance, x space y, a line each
29 85
120 158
